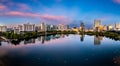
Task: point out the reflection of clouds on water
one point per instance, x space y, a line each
59 49
14 51
7 49
2 52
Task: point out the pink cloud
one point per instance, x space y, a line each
33 15
2 7
117 1
21 14
46 16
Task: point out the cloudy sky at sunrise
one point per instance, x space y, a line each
59 11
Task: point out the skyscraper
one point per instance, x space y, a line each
97 25
3 28
50 27
42 27
82 27
26 27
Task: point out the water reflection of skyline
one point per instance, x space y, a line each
44 39
41 39
29 50
82 37
97 40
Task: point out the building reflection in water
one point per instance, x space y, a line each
82 37
62 36
44 39
0 43
97 40
30 41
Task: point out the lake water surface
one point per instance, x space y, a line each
61 50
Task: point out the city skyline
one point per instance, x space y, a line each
59 11
59 33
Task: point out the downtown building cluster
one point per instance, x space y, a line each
28 27
42 27
99 27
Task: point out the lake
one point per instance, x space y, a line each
61 50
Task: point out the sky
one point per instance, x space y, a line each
71 12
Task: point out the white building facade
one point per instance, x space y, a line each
117 26
3 28
26 27
62 27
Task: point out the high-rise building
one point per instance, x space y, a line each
63 27
82 27
26 27
117 26
45 27
3 28
97 23
42 27
50 27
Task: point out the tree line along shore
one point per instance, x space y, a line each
29 35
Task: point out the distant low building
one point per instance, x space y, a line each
75 29
100 28
110 27
16 30
105 28
9 29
